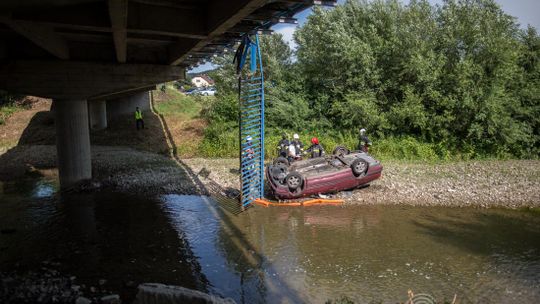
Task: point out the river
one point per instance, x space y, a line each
273 255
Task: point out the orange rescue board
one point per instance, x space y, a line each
312 202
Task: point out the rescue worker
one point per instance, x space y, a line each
363 141
283 145
139 119
315 149
249 152
296 148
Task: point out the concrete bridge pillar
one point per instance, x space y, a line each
72 141
126 105
98 114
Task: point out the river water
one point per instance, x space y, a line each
370 254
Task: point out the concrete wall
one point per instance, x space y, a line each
127 105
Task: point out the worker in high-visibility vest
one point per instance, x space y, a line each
139 122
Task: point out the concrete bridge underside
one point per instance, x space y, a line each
97 58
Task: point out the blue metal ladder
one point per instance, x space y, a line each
251 106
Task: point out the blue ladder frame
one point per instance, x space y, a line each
251 121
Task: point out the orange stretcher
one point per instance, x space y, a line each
318 201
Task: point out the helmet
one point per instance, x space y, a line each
248 138
315 141
295 136
362 130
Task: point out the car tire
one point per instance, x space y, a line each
278 173
294 181
281 160
359 167
341 151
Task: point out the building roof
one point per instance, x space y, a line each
206 78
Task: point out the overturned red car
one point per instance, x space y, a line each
342 170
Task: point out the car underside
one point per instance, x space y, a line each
342 170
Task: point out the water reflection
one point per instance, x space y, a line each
366 253
275 255
43 189
116 237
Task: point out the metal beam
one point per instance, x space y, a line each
118 12
222 15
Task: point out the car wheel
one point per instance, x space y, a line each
359 167
341 151
278 173
294 181
281 160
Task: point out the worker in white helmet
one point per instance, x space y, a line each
363 141
296 148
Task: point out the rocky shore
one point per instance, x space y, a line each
511 183
497 183
119 169
48 285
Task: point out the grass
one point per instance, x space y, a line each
221 141
177 104
7 110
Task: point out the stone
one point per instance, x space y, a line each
130 284
152 293
111 299
82 300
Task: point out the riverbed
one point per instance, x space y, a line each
114 241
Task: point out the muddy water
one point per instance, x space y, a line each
274 255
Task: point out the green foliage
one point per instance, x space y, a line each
180 104
9 104
6 110
460 80
220 141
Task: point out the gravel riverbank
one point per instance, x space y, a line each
512 183
116 168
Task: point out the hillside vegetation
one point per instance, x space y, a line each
457 81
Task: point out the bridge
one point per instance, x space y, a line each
94 56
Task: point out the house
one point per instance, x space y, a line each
202 81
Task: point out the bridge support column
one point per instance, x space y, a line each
126 105
98 114
72 141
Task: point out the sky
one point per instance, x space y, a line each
526 11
